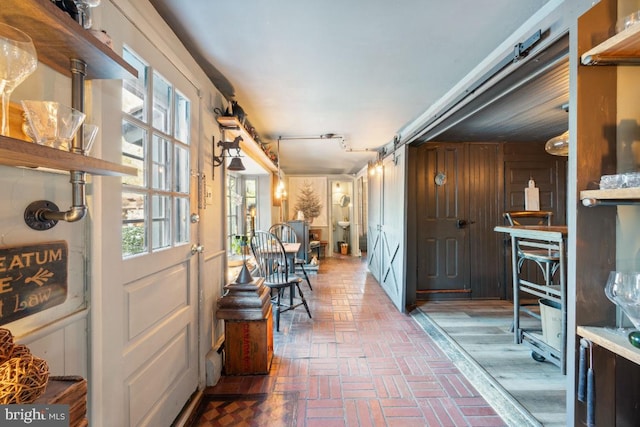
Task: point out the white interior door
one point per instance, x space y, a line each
150 292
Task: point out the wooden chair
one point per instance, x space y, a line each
273 266
287 234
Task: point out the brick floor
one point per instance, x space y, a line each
360 362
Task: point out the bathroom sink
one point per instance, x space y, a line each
343 224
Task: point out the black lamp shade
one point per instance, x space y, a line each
235 164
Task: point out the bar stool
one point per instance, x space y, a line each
548 260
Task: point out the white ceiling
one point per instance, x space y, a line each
358 69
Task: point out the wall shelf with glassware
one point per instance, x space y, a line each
623 48
233 128
616 364
58 38
618 196
611 340
15 152
69 49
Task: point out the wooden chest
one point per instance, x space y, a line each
69 390
248 346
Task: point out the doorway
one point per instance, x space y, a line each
458 202
342 217
460 193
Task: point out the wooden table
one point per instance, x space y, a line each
551 238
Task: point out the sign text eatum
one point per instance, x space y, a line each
32 278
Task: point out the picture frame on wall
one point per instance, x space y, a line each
309 194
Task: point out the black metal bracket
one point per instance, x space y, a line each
33 215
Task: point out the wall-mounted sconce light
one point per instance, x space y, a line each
375 167
227 146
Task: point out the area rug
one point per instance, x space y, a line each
238 410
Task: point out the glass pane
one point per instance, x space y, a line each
134 235
183 118
161 104
134 141
250 187
182 220
161 164
161 228
182 170
134 90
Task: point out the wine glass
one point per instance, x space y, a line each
623 289
18 60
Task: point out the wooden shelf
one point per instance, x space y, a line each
58 38
610 197
15 152
233 129
622 48
612 341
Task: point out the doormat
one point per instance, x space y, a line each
236 410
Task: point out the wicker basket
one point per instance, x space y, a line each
6 345
23 379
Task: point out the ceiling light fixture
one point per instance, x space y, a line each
558 145
227 146
328 135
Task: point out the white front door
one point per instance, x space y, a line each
149 298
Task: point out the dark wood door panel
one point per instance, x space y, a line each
442 257
485 173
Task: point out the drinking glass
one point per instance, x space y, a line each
18 60
623 289
51 123
89 131
84 13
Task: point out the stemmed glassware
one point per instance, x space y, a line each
18 59
623 289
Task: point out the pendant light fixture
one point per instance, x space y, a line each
558 145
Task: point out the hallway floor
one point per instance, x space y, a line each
358 362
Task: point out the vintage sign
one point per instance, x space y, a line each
32 278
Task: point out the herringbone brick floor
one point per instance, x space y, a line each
359 362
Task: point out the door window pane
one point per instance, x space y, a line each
182 170
182 220
161 164
134 228
162 92
182 118
161 228
134 141
134 90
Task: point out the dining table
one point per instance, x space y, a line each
291 249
